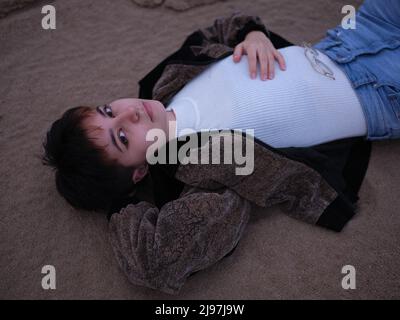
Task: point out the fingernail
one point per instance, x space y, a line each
264 77
253 75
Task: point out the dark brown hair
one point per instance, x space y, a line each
84 175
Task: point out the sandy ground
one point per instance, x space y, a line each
98 53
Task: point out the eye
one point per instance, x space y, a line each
122 138
107 110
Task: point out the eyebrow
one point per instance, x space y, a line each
114 142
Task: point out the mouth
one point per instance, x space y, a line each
149 111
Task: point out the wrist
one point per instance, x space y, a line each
255 33
252 25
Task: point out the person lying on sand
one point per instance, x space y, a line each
235 74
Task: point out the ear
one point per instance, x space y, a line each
140 172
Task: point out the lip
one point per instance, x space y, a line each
149 111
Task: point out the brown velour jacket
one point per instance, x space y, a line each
197 213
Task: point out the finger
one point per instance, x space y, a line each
252 56
237 53
271 66
281 60
263 59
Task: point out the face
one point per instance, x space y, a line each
120 128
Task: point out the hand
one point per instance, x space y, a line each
256 44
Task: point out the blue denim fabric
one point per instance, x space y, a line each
370 57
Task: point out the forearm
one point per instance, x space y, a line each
160 249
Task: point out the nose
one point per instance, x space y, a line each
130 114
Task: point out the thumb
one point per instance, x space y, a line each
237 53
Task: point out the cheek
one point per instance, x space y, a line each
139 136
160 111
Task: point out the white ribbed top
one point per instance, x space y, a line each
299 107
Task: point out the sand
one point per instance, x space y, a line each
98 52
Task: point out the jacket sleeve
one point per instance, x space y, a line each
159 249
232 29
271 178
